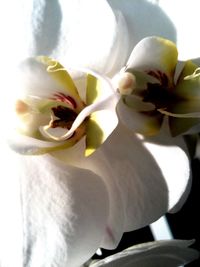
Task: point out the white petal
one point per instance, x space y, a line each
144 19
172 253
138 121
171 155
99 163
139 189
11 227
64 212
188 47
83 33
33 79
152 54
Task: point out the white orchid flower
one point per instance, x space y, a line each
155 84
67 205
50 109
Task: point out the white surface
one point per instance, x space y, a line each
184 14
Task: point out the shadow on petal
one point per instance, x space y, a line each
48 27
138 193
144 19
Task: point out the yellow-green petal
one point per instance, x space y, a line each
103 120
95 89
95 136
99 126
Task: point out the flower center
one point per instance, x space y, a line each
65 116
158 95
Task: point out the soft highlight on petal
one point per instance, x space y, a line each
138 193
171 253
62 225
171 155
152 53
83 44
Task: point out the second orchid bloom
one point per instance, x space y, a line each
155 84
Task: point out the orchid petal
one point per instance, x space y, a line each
187 47
100 125
145 121
138 27
96 90
60 222
169 153
93 52
152 55
26 145
138 193
170 253
57 71
66 33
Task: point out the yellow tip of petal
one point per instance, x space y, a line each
89 151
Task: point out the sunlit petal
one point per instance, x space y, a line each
171 156
82 33
62 224
139 193
152 55
26 145
188 47
43 77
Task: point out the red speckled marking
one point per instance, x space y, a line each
65 99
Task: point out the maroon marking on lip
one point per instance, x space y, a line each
65 99
161 76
